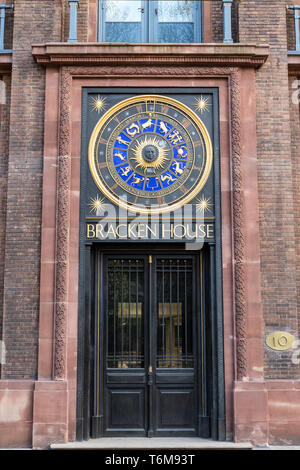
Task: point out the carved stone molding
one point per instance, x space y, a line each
63 194
238 230
249 55
63 226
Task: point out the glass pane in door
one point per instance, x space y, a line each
123 21
174 313
125 314
176 21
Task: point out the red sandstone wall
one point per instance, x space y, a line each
276 204
37 22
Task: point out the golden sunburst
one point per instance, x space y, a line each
138 154
98 104
203 204
96 204
202 104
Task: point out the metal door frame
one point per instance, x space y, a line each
150 369
211 423
214 422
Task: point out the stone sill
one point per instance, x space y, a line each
240 55
5 60
294 61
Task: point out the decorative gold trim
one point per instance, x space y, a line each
160 209
202 104
98 104
98 338
138 154
103 217
202 334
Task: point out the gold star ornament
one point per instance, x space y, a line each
203 204
98 104
96 204
202 104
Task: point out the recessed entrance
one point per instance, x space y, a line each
149 380
150 325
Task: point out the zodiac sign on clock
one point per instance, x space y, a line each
168 178
147 124
133 130
136 179
120 156
125 171
122 141
177 166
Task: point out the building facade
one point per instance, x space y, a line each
150 241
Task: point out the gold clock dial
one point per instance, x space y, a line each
150 153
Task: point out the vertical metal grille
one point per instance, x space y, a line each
174 313
125 314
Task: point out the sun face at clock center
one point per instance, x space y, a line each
150 153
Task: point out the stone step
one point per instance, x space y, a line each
153 443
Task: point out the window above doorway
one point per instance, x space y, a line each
144 21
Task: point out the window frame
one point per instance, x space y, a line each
149 22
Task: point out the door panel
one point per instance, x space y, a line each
150 374
126 409
175 409
124 319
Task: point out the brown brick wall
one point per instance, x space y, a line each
9 15
275 177
290 27
294 89
217 21
82 21
5 83
34 21
277 168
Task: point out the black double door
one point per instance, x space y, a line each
149 365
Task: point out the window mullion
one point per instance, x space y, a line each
198 21
153 21
101 21
145 21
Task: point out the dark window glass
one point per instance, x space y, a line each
175 21
125 321
174 313
134 21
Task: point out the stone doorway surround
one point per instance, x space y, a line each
69 67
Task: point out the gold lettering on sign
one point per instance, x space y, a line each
118 234
210 231
280 340
145 232
167 232
179 231
90 231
